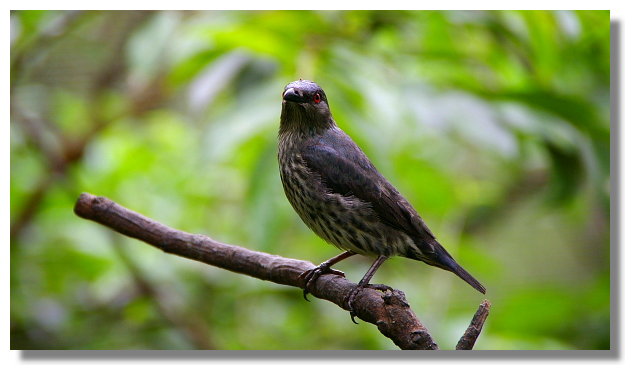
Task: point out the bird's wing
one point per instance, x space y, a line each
347 171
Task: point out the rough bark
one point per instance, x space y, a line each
388 310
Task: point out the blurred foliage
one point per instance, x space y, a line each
495 125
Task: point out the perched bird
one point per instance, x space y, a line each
341 196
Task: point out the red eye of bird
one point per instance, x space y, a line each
316 98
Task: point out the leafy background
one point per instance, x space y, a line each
495 125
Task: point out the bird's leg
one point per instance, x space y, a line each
363 283
311 276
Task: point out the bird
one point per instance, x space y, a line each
340 195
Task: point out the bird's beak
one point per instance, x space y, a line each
292 95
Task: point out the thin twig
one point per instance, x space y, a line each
472 332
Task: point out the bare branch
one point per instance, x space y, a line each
388 310
471 333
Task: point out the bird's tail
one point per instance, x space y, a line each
444 260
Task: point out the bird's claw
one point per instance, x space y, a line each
310 276
348 302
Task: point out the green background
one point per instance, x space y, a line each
494 124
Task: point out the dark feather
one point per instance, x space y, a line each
442 259
344 169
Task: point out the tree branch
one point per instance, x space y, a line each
476 325
388 310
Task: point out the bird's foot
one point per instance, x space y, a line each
348 302
311 276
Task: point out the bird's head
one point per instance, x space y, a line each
304 107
